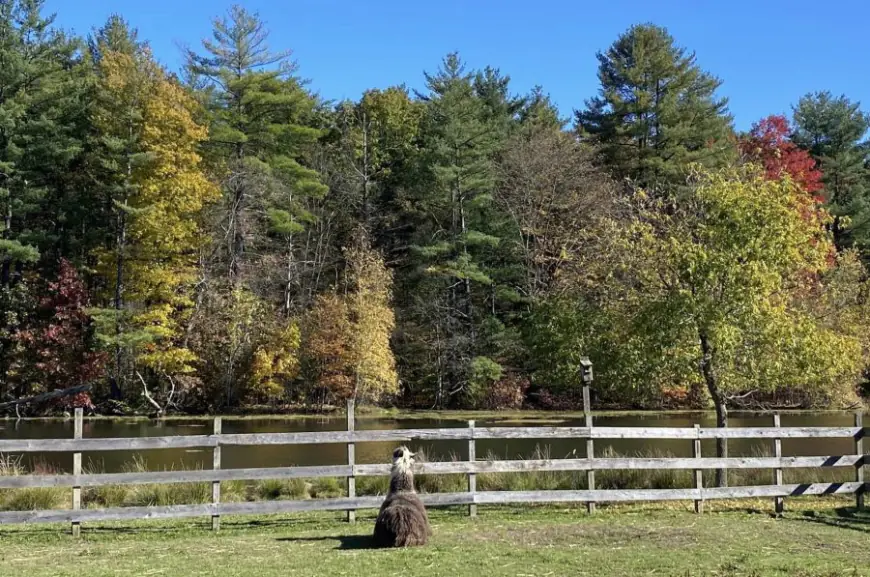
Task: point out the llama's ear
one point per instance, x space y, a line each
397 453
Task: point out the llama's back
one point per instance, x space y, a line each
402 522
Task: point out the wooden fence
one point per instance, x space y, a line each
473 467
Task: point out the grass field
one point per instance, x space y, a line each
523 541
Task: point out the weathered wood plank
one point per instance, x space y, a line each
494 497
207 509
472 477
795 490
314 438
78 429
431 500
436 468
113 514
590 445
169 477
859 467
326 437
216 485
615 463
662 432
117 444
351 458
699 473
782 433
778 502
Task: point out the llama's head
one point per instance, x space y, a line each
403 458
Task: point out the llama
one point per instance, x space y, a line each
402 520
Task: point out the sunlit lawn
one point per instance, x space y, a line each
813 538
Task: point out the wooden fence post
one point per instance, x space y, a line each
216 485
699 473
778 502
859 450
351 458
77 470
472 477
590 446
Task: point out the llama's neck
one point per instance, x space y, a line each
401 480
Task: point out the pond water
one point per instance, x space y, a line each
336 454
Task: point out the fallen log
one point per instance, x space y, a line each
46 396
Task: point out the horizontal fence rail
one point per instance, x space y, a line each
471 468
399 435
436 468
431 500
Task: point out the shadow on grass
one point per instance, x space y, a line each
844 518
345 542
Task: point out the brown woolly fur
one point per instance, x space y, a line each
402 520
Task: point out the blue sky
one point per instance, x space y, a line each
767 52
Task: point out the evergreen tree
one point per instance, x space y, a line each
832 130
126 78
656 111
260 135
456 251
539 111
38 88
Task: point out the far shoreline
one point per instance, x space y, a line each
423 414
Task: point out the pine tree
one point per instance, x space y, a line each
832 130
259 137
126 78
39 84
656 111
452 289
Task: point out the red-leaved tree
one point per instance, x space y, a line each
59 342
768 144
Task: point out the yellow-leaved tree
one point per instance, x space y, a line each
275 363
148 139
372 318
347 336
166 233
737 288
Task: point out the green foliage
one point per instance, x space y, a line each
832 129
718 283
483 374
244 241
258 141
14 251
40 86
657 111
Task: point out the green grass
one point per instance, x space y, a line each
521 541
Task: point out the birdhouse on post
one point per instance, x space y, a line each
586 371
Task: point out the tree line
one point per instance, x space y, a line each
222 238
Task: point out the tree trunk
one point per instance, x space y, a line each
120 242
709 373
5 276
291 277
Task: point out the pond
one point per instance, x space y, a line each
335 454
